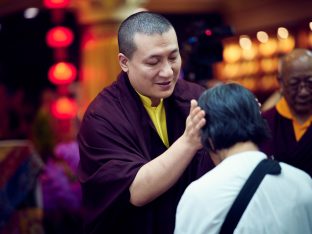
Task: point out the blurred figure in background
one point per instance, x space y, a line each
61 192
4 123
20 166
290 119
39 189
20 201
16 113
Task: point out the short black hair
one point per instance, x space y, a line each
232 116
145 22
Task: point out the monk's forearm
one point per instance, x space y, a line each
157 176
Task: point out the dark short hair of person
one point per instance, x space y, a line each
144 22
232 116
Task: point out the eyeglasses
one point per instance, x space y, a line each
301 82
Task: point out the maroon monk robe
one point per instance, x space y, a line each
283 145
116 138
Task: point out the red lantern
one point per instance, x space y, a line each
64 108
59 37
56 3
62 73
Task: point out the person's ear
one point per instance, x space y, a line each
216 156
211 144
123 62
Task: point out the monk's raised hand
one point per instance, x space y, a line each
194 122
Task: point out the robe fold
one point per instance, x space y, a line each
116 138
283 145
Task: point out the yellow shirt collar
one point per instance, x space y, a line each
284 110
158 117
147 102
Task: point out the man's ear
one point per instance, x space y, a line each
123 62
211 144
214 155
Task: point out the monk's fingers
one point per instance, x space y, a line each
197 115
193 105
195 124
201 123
195 130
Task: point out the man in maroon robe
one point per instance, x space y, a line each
290 119
140 138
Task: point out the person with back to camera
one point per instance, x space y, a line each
290 119
233 131
139 139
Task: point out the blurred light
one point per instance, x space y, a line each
282 33
269 65
232 53
30 13
88 41
249 54
62 73
268 48
310 25
192 40
56 3
268 82
245 42
249 83
286 45
64 108
310 39
208 32
262 36
230 71
59 37
246 68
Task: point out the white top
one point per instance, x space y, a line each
281 204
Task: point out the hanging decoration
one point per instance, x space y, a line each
63 72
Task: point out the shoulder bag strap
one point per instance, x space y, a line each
266 166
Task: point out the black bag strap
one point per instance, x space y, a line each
266 166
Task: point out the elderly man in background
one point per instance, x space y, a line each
290 119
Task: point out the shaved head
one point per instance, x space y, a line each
144 22
295 77
297 58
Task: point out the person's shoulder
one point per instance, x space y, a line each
269 113
104 103
193 191
108 92
271 116
299 182
296 173
204 188
205 182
